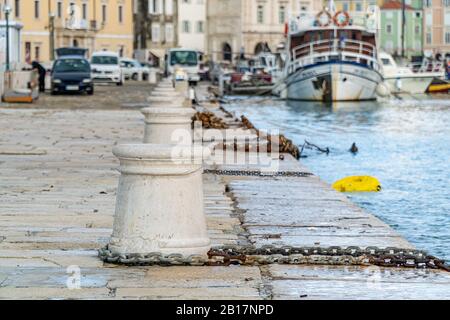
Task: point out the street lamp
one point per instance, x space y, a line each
7 11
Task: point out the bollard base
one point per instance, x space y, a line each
137 245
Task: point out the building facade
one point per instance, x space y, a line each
391 33
91 24
357 5
192 24
436 26
155 23
246 27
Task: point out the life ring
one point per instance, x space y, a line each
322 14
337 18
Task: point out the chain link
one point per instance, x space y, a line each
251 256
255 173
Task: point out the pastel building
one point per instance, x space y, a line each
192 24
436 26
247 27
392 22
91 24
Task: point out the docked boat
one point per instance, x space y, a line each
409 79
333 56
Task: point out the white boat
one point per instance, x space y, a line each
405 80
333 56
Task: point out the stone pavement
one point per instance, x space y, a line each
57 198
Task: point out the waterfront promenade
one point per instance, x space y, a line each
58 186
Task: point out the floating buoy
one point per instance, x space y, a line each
357 184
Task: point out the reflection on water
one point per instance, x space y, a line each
404 143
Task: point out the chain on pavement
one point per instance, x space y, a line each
252 256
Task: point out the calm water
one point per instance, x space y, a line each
404 143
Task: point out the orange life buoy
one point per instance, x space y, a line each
341 23
321 14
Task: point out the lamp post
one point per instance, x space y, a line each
51 17
7 11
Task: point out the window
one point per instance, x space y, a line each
17 8
345 6
169 7
36 10
186 26
84 9
169 32
389 28
155 33
200 27
120 14
183 58
359 6
37 52
417 29
282 15
447 37
28 52
428 38
153 7
59 9
104 13
260 14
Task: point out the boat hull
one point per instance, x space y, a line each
333 82
409 84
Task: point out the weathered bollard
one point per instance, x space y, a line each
159 205
153 76
166 93
168 125
166 102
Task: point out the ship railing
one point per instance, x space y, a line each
305 20
334 49
427 66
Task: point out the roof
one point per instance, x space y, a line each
395 5
105 53
72 56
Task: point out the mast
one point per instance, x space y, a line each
403 27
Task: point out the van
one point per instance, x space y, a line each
187 59
106 68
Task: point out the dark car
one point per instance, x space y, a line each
72 74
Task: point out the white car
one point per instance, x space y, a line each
105 68
132 69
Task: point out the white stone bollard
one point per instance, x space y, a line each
153 76
168 125
159 206
167 102
166 93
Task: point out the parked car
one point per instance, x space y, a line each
71 74
105 67
131 69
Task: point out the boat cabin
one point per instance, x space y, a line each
351 44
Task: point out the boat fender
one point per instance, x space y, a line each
341 18
383 90
324 15
357 184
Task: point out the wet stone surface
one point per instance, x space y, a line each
58 186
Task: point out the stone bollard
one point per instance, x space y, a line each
157 92
168 125
166 102
159 206
153 76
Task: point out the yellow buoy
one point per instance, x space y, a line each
358 184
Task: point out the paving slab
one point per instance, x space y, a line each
58 186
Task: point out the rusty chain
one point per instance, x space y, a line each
256 173
251 256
